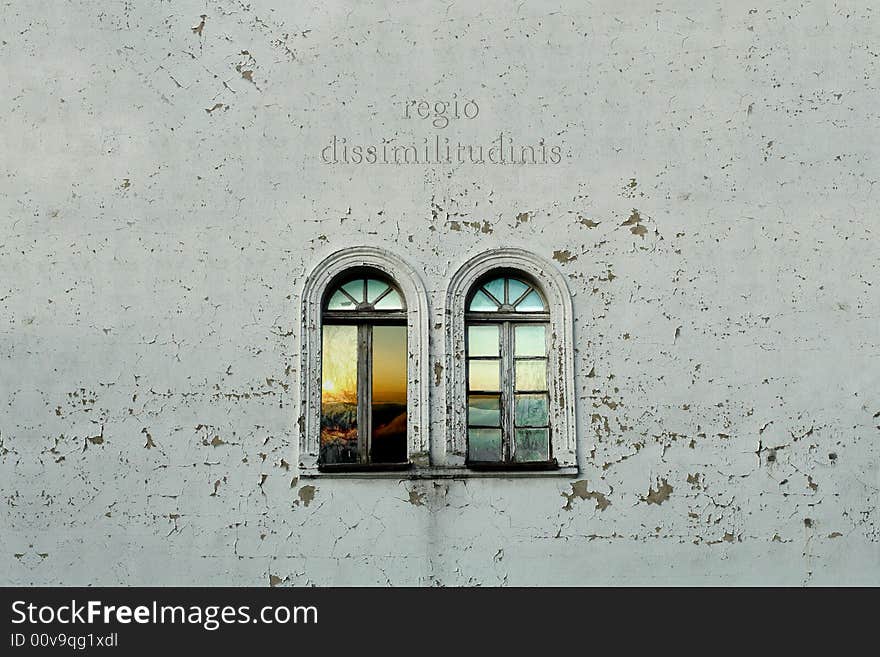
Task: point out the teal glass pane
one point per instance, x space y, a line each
531 411
530 375
483 340
484 375
532 303
515 289
530 340
484 444
482 303
340 302
390 301
496 289
531 445
484 410
374 289
355 289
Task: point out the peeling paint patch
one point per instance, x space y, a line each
564 256
660 495
416 498
307 494
197 29
589 223
635 224
579 491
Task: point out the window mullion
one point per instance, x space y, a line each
365 390
507 379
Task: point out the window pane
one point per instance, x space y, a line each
484 410
339 357
484 375
355 289
484 444
531 374
531 445
340 302
483 340
532 303
530 340
516 289
496 289
390 301
388 443
482 303
531 411
374 289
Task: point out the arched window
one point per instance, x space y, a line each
363 363
509 361
363 371
508 397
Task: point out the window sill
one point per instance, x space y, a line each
409 471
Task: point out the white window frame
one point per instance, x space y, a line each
417 392
560 352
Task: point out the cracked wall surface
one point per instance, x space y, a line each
163 198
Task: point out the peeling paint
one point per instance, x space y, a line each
660 495
564 256
579 491
307 494
416 498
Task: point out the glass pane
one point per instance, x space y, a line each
531 411
339 357
340 302
516 289
390 301
388 444
496 289
531 445
355 289
374 289
484 410
482 303
532 303
531 374
484 375
530 340
483 340
484 444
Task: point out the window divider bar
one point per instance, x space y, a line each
522 296
507 406
365 390
496 317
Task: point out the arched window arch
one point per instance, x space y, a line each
509 358
364 386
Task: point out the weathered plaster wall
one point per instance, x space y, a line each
163 197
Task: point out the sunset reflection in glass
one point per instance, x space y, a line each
339 396
388 444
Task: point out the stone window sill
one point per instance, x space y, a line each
439 472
